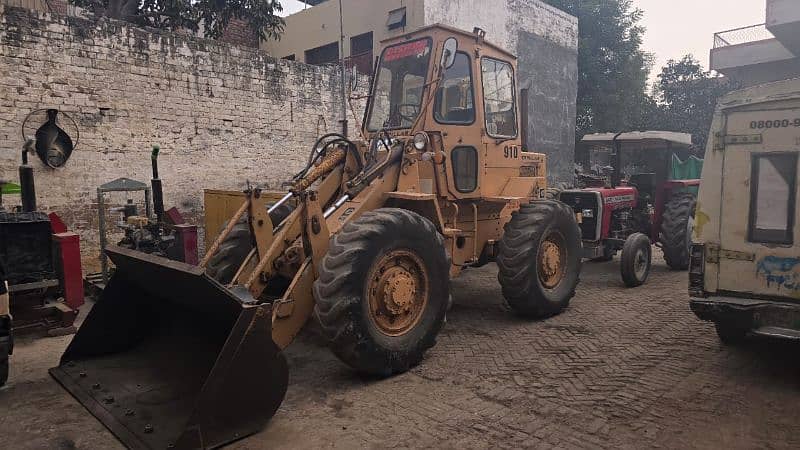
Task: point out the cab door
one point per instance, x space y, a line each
455 113
758 253
501 135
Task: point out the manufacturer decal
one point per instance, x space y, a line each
618 199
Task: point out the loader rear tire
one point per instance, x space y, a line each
539 259
383 290
235 248
677 224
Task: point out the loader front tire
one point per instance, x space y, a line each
382 291
539 259
235 248
677 225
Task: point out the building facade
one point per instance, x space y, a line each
544 38
761 53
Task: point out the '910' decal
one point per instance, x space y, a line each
511 151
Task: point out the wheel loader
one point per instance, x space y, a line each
174 355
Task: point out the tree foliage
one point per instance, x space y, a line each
612 67
685 97
213 15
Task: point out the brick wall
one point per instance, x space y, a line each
222 114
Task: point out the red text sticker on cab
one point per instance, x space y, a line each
416 48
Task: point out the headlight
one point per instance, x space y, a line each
420 141
587 213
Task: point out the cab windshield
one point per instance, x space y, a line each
399 84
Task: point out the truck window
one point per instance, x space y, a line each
773 188
454 101
498 97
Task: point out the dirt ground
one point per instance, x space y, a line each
629 368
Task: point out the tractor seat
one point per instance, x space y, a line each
644 182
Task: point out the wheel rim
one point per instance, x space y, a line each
640 263
552 261
397 292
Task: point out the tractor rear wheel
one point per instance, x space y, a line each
382 291
239 243
539 259
677 224
636 260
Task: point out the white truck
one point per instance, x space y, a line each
744 271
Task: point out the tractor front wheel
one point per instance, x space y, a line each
383 290
539 259
677 225
636 260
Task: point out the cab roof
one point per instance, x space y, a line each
648 140
426 30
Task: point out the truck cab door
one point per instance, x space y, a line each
758 253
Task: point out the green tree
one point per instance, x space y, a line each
213 15
687 96
612 67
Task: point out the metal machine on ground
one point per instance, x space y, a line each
648 197
745 261
42 262
159 232
190 356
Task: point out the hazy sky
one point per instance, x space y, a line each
677 27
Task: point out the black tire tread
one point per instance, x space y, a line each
674 222
334 310
626 260
516 258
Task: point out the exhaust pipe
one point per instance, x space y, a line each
158 190
26 180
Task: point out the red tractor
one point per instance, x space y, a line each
641 188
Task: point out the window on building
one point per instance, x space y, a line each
454 99
397 19
361 52
773 190
289 58
498 97
327 54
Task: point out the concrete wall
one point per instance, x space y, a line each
222 114
545 39
319 25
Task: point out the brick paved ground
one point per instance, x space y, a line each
620 368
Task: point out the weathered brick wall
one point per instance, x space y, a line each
222 114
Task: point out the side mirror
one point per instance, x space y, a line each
449 53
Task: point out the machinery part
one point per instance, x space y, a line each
233 250
168 357
636 260
608 255
539 258
730 334
158 190
677 225
382 291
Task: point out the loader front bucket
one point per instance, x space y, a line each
169 358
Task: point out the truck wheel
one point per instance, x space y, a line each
636 260
539 258
730 334
382 291
235 248
4 352
677 224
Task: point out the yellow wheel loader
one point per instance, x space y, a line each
182 356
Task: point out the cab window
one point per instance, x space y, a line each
454 98
773 189
498 97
